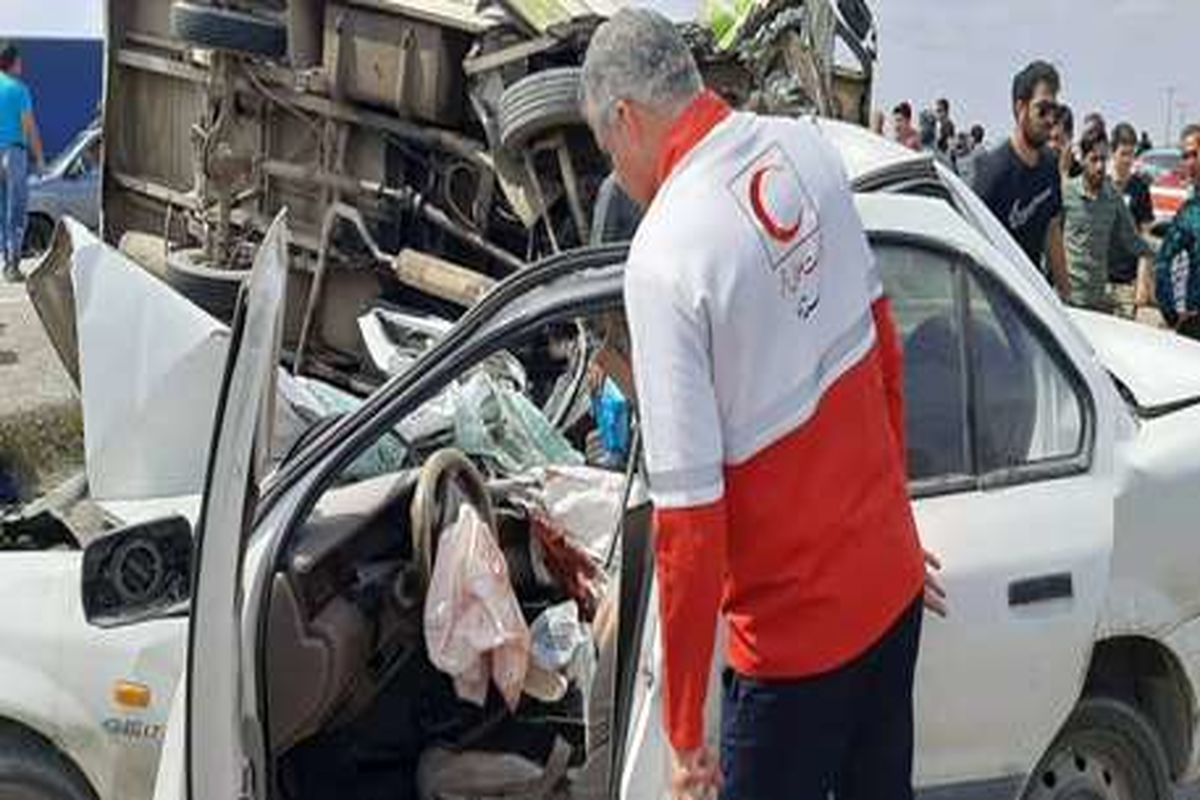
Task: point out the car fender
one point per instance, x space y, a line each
38 701
1152 592
58 673
36 592
1152 589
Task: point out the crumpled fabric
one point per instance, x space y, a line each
474 631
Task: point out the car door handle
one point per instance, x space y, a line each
1040 589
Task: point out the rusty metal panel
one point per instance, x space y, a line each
396 62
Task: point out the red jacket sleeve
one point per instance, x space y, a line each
891 358
690 552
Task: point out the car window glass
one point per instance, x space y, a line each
559 394
1027 410
921 285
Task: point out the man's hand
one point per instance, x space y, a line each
935 595
1056 254
695 775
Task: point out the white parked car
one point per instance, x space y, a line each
1055 462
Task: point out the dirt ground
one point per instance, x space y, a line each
41 424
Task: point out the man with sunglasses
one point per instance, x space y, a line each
1177 281
1020 180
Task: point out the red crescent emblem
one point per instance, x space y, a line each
780 233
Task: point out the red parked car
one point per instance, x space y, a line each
1168 188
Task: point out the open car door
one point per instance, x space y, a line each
215 765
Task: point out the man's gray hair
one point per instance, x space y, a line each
638 55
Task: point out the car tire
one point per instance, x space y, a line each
1108 749
39 232
214 290
228 29
32 769
539 103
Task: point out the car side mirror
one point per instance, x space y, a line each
137 573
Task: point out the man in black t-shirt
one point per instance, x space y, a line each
1020 181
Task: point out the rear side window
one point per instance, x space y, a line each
1027 411
986 394
922 287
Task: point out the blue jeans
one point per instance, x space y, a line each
14 195
848 733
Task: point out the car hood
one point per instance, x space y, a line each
1160 369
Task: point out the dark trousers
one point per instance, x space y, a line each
848 733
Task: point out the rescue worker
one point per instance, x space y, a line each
768 382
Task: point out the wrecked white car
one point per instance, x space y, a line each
1052 467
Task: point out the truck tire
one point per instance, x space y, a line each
214 290
32 769
1109 750
227 29
538 103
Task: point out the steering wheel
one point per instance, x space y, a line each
447 480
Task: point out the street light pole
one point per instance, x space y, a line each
1170 108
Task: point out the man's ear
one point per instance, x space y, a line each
625 117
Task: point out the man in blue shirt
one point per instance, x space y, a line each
18 136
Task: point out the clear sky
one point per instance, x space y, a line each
1116 56
53 19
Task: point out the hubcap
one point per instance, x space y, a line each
1079 774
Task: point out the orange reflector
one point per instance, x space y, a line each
131 695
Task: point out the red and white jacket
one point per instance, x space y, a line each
769 387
